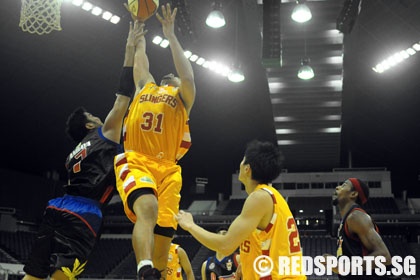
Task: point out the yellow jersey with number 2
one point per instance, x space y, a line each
260 252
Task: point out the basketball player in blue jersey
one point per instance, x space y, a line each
220 266
71 224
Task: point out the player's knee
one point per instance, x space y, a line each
143 201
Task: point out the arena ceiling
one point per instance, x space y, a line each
45 77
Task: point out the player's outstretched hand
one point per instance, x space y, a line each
167 20
136 33
185 220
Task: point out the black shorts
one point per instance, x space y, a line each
68 231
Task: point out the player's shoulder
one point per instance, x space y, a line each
357 213
261 194
358 218
258 199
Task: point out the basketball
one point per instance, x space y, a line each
143 9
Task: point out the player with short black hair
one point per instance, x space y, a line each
265 226
75 125
72 223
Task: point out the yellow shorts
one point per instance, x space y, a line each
134 171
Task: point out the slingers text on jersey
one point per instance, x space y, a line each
161 98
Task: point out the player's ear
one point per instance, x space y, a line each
90 125
247 168
354 195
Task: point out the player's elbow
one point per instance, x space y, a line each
187 80
387 256
383 252
227 249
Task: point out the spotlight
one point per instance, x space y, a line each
301 13
236 75
216 19
305 71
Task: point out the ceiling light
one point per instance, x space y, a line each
96 11
188 54
106 15
334 59
115 19
396 59
87 6
275 86
331 104
301 13
236 76
337 85
286 142
218 68
216 19
200 61
277 100
77 2
285 131
305 71
331 118
213 66
283 119
331 130
157 40
221 69
164 43
410 51
193 57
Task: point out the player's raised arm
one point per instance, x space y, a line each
182 64
113 122
141 70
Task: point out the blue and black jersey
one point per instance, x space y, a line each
90 167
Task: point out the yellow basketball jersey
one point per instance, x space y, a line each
157 124
279 239
173 270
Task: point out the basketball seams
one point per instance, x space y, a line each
147 6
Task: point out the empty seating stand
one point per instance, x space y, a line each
382 205
17 244
234 207
108 253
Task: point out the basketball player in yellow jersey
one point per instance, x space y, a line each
177 262
156 136
265 228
